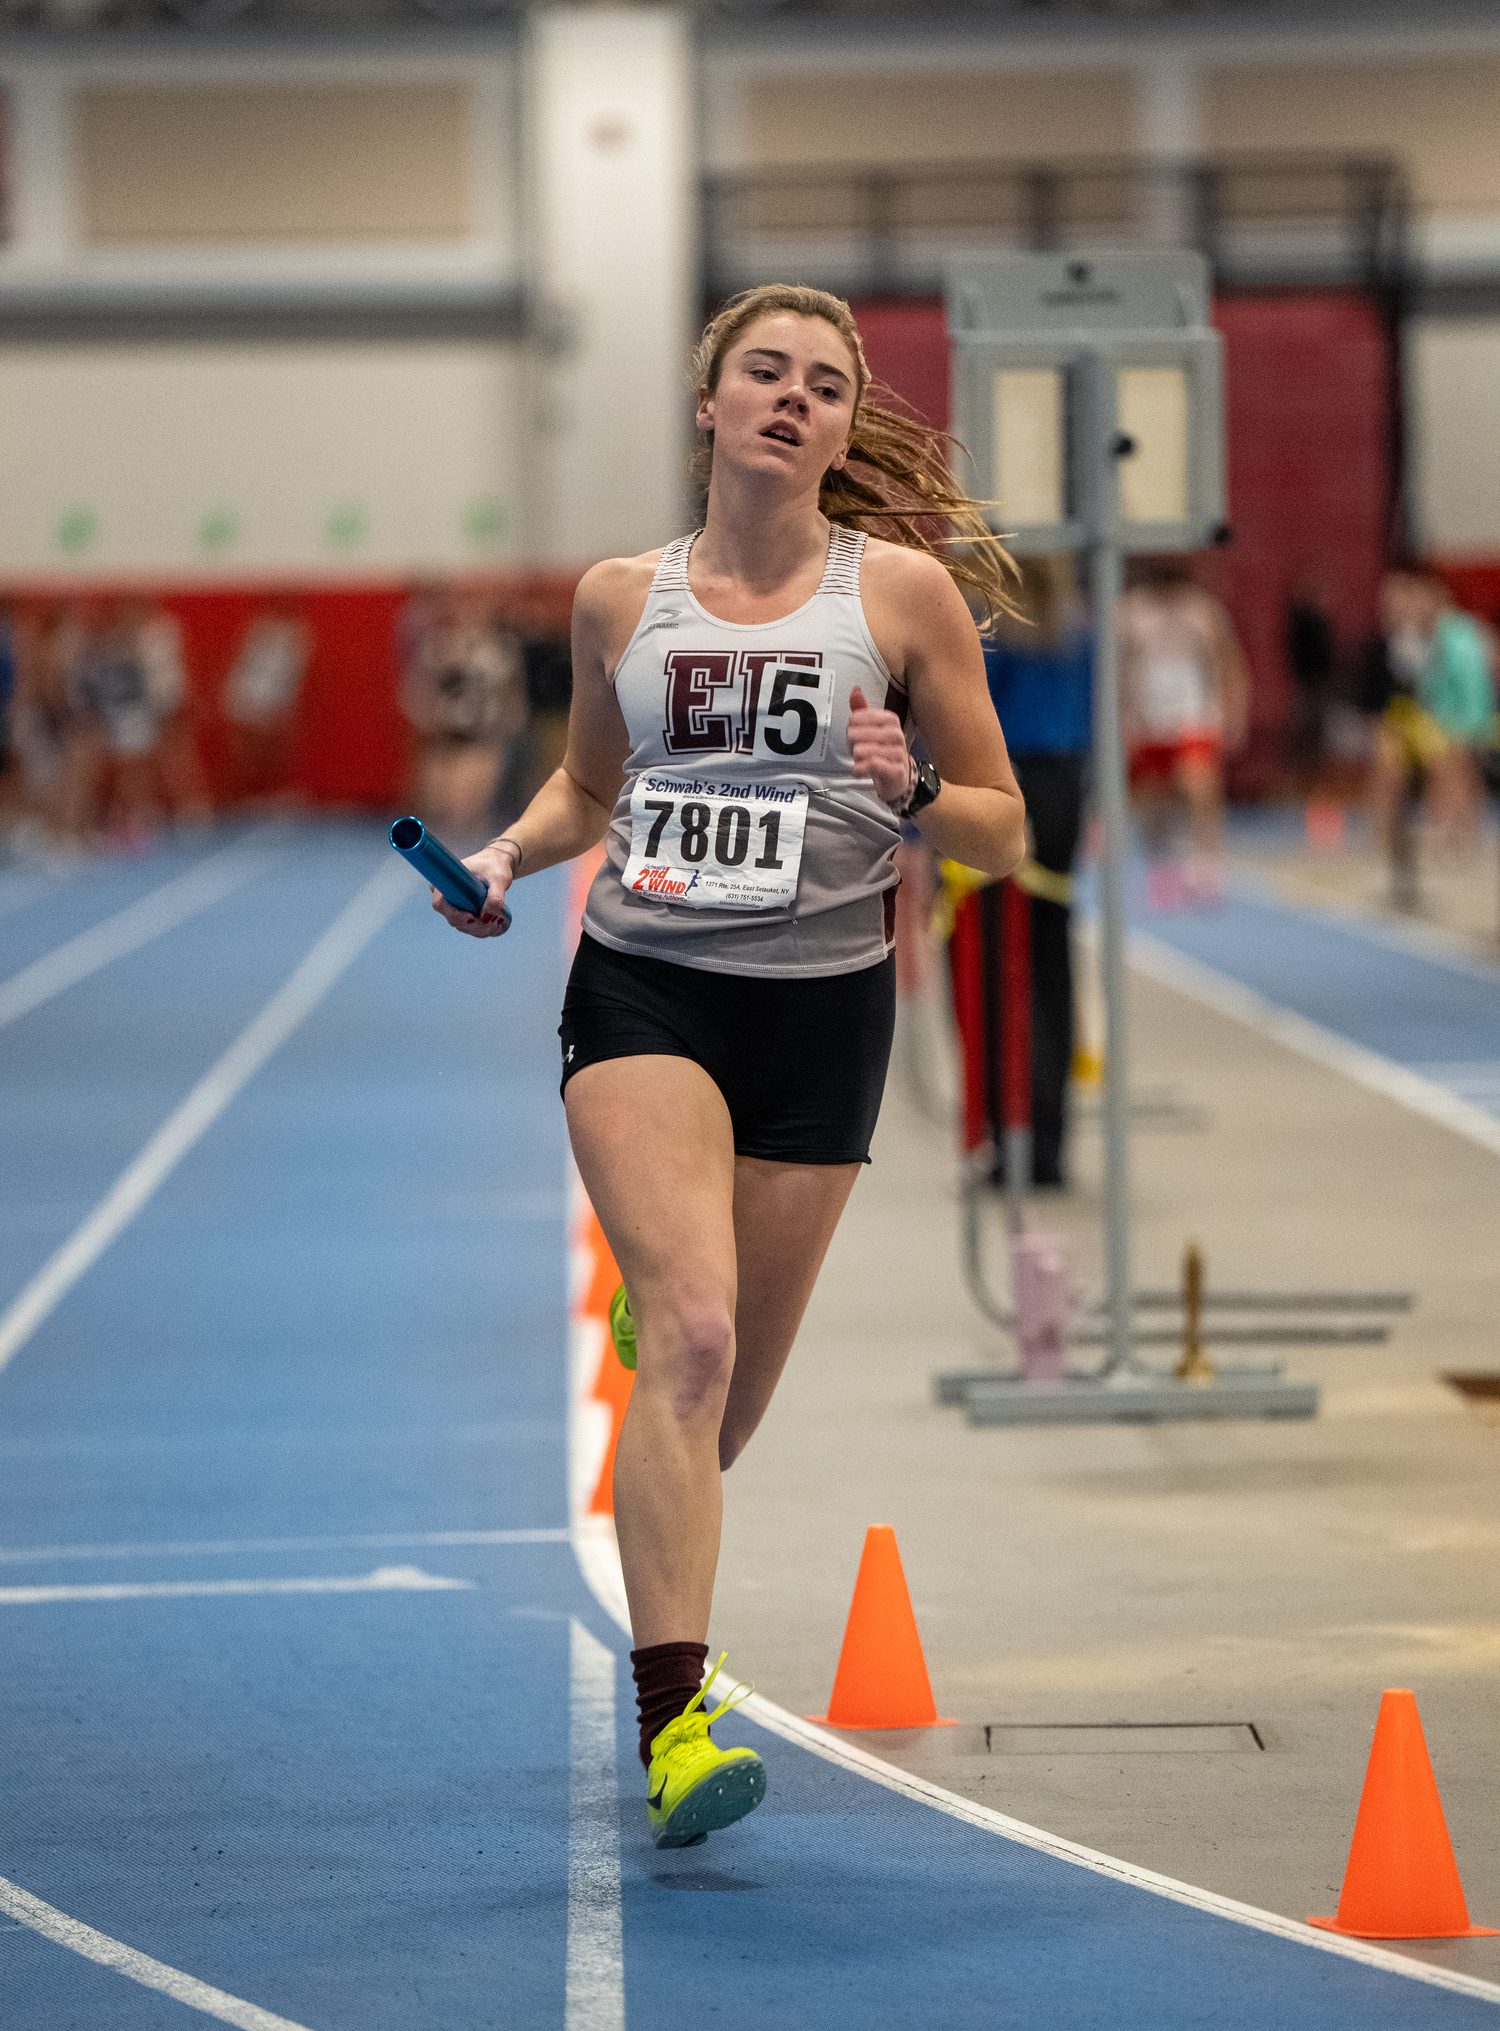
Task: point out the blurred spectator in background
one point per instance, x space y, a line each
1310 658
537 750
1428 681
180 782
1040 670
259 699
1184 700
131 755
46 647
463 690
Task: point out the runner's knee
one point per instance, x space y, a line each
698 1342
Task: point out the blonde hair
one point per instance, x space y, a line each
898 482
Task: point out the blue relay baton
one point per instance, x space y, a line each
455 883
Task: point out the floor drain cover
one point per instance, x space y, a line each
1126 1738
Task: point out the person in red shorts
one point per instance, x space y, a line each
1184 694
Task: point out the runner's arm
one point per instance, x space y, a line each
928 639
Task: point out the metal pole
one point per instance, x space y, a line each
1109 775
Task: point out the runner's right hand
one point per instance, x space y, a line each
494 868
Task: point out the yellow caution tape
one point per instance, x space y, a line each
955 883
1043 882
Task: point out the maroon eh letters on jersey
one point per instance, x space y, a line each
697 723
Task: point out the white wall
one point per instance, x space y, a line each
612 194
212 458
313 461
221 459
1453 412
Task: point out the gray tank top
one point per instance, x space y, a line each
742 841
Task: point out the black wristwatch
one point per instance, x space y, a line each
924 791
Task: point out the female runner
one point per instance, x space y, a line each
738 736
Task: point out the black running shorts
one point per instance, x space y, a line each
801 1063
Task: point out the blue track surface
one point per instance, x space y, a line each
343 1317
1440 1018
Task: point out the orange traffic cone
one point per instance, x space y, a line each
1402 1881
612 1386
614 1382
882 1677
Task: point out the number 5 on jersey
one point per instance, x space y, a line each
790 709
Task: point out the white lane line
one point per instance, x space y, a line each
595 1994
162 910
337 949
46 1554
139 1967
384 1580
1218 991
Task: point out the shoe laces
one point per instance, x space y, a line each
695 1721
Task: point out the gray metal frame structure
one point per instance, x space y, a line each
1088 318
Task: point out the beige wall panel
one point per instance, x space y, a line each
168 165
1015 117
1453 406
1440 117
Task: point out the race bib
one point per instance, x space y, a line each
711 845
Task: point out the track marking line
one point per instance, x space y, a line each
1298 1033
384 1580
139 1967
16 1555
595 1994
162 910
332 955
597 1552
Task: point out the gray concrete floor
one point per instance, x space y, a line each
1280 1574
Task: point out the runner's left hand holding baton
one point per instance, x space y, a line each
469 894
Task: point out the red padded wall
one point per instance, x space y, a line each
906 345
351 745
1307 400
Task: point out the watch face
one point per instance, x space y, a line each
928 785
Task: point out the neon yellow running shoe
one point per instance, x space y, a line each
622 1329
693 1787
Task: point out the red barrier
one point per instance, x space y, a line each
989 962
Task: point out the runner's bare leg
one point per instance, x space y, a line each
655 1150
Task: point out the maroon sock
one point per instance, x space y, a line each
666 1677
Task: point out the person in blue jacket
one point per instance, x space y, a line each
1041 675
